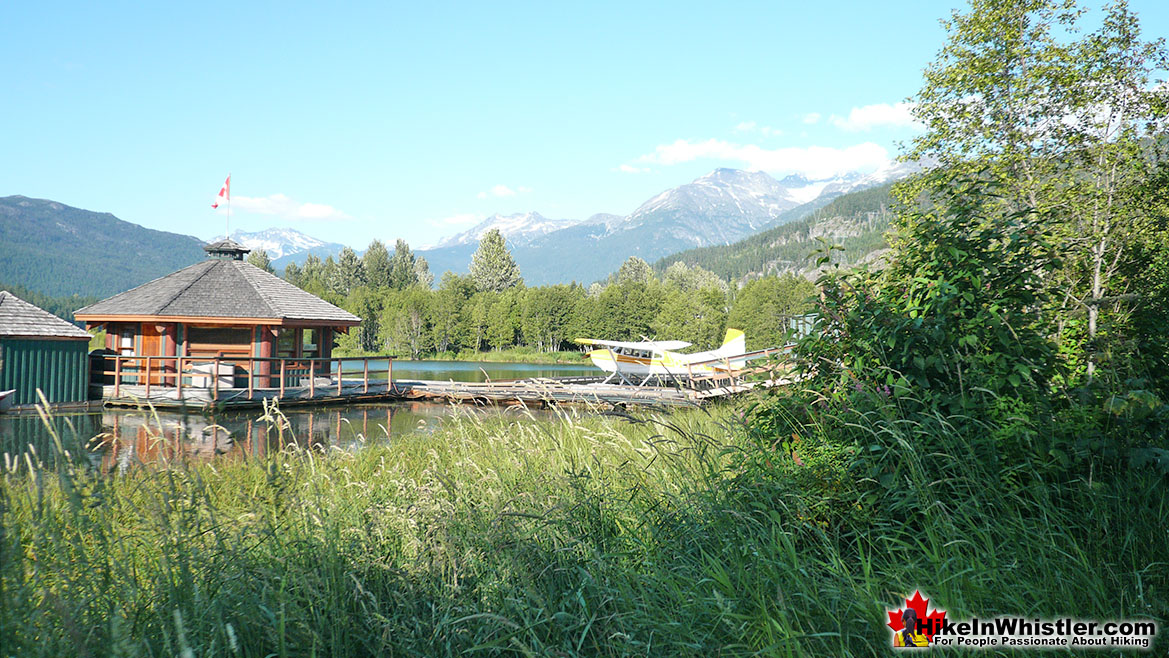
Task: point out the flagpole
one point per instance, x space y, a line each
228 233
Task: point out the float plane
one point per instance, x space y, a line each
651 358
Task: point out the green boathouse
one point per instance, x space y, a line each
40 350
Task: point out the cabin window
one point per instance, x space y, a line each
309 347
286 344
126 341
215 341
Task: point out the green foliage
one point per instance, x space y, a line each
635 270
376 263
403 326
492 266
952 321
348 273
579 536
763 305
503 320
62 307
259 258
448 307
1060 121
402 267
546 315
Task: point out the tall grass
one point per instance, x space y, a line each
591 536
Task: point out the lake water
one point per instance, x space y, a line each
478 371
116 439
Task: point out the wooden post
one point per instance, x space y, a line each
389 374
117 376
365 375
179 376
147 378
251 378
215 385
312 379
281 379
339 364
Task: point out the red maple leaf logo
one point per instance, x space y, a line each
920 606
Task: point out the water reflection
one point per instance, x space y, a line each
114 440
478 371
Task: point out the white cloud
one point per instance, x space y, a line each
868 117
751 126
503 191
281 205
455 220
814 162
812 118
630 169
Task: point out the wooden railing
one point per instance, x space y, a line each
237 374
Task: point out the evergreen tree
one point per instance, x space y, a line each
492 266
402 274
376 261
634 270
260 259
422 275
293 275
348 273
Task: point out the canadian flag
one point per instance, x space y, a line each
224 193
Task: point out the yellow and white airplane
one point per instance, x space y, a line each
657 358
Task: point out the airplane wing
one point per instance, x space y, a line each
641 345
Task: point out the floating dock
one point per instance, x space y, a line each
176 383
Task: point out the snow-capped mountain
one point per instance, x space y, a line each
280 242
721 207
519 229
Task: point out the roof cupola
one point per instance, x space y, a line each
226 249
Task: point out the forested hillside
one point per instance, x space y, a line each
856 221
59 250
492 309
61 307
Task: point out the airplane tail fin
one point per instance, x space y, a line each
734 343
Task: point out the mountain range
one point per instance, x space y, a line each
60 250
857 221
720 208
285 245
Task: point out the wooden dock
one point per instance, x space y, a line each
547 392
174 383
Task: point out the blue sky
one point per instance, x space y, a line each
387 120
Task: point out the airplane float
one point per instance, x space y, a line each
649 358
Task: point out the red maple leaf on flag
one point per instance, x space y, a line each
920 606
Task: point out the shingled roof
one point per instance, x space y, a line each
19 319
220 289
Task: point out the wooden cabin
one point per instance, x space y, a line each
39 350
223 308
